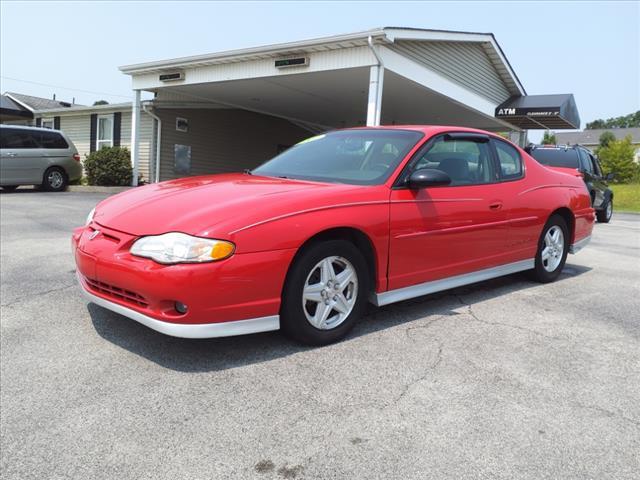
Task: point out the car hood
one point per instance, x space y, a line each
214 205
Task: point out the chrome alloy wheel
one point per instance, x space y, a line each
609 209
55 179
330 292
553 248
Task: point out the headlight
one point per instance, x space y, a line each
181 248
90 217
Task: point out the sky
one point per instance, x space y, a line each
74 48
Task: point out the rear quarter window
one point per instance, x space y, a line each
556 157
53 140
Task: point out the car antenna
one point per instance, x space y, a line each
247 171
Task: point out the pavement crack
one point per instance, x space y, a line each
35 294
608 413
407 388
473 315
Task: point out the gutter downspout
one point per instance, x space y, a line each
376 77
156 169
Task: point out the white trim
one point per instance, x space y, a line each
579 245
19 102
156 170
47 119
392 296
184 330
135 137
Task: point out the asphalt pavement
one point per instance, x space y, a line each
505 379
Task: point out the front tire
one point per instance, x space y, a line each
325 293
553 248
55 180
604 215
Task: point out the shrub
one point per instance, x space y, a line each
109 167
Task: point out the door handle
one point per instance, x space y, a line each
495 206
10 154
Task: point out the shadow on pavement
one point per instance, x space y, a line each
204 355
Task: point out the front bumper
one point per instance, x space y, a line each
236 296
183 330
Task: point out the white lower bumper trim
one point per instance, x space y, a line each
579 245
184 330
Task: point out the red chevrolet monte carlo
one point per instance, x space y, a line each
305 240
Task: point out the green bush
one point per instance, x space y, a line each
109 167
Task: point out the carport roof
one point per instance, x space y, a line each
379 35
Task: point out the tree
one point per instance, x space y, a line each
606 138
100 102
549 138
617 157
625 121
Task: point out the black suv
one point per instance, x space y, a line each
579 158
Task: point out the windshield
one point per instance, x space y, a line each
358 157
556 157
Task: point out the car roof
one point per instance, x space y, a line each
429 129
29 128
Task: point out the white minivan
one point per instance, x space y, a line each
37 156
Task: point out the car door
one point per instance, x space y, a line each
599 182
20 157
438 232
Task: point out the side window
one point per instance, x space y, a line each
52 140
47 123
17 139
465 161
509 161
585 161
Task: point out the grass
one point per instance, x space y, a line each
626 197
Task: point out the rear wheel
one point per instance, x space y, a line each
55 180
325 293
553 247
604 215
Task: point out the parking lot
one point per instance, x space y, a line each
503 379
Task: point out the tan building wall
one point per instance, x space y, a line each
223 140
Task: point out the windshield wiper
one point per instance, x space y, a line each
247 171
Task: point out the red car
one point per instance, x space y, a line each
305 240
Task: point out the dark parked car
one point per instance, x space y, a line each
576 158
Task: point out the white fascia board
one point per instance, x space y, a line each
243 54
19 102
434 81
352 57
66 111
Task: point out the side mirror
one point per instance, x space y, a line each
610 176
427 177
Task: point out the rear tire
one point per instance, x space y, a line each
55 180
325 293
553 248
604 215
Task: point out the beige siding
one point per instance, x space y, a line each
78 128
465 63
224 140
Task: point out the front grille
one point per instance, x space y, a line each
117 292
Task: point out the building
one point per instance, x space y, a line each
591 138
98 126
232 110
